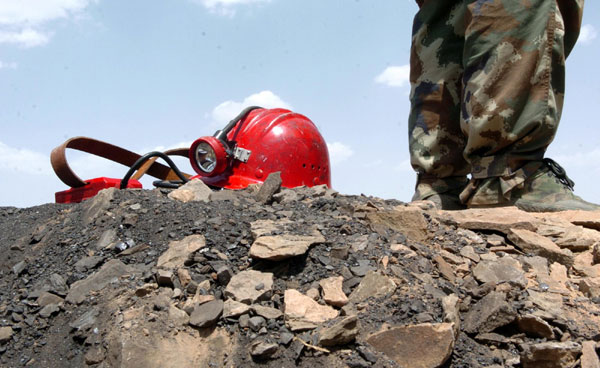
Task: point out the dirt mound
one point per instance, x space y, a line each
304 277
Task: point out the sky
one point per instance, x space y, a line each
152 74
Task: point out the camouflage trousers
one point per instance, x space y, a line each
487 88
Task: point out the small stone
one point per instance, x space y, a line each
279 247
270 186
261 349
426 345
341 333
374 284
194 190
596 254
332 291
313 293
5 334
267 312
49 310
178 316
207 314
303 312
232 309
406 220
88 263
535 326
505 269
469 252
501 219
145 289
339 253
19 268
224 275
589 358
180 251
46 298
256 323
285 338
95 355
164 278
491 312
531 242
550 354
242 286
184 277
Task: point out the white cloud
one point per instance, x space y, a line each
394 76
339 152
588 34
25 38
227 7
227 110
23 161
21 21
5 65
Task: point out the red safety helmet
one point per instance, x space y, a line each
259 142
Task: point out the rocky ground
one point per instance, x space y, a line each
270 277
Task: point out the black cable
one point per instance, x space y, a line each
140 161
222 134
169 184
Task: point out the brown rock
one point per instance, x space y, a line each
548 302
278 247
262 349
469 252
577 238
589 358
588 219
489 313
270 186
313 294
445 269
550 355
535 326
596 254
417 346
177 316
265 227
180 251
303 312
194 190
531 242
250 286
341 333
184 277
47 298
332 291
407 220
374 284
501 219
231 308
95 355
590 287
5 334
451 312
164 278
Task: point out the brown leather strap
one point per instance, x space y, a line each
111 152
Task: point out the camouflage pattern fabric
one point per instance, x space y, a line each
487 81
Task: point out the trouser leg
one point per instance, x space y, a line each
514 75
436 141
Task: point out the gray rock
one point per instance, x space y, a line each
87 263
224 275
374 284
489 313
207 314
243 321
531 242
97 206
341 333
85 321
362 268
58 285
280 247
271 186
110 271
285 338
262 349
46 298
19 268
505 269
49 310
232 309
107 239
550 354
256 323
267 312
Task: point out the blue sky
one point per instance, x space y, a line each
155 74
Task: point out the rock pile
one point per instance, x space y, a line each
277 277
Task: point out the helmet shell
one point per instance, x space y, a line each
278 140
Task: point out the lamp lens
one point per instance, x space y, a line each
206 157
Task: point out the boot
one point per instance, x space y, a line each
442 192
